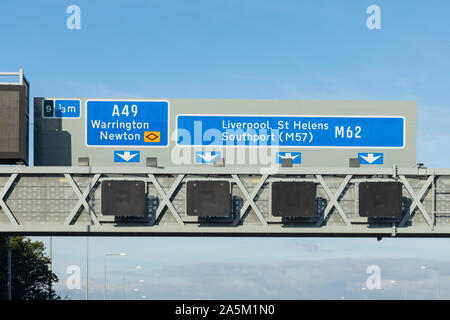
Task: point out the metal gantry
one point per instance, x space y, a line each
66 201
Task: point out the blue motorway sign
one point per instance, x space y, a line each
206 156
61 108
127 156
291 131
370 158
295 156
127 123
67 108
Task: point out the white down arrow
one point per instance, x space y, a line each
370 157
127 156
208 156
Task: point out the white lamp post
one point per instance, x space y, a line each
107 255
437 278
126 282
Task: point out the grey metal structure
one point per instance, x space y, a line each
14 118
63 194
22 79
62 141
66 201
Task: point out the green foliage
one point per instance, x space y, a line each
31 275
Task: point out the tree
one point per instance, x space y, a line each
31 275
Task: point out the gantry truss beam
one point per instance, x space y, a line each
65 201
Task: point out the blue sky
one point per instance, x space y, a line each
251 50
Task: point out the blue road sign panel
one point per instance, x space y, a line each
127 156
291 131
206 156
370 158
61 108
295 156
67 109
127 123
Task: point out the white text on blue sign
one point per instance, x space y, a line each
61 108
127 123
291 131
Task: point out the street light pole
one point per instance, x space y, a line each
393 283
9 284
87 268
125 282
437 279
104 294
51 269
406 290
106 255
365 292
123 287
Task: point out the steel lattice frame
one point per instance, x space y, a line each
420 219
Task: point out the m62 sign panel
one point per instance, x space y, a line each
292 131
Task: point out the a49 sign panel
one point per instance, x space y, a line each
142 123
